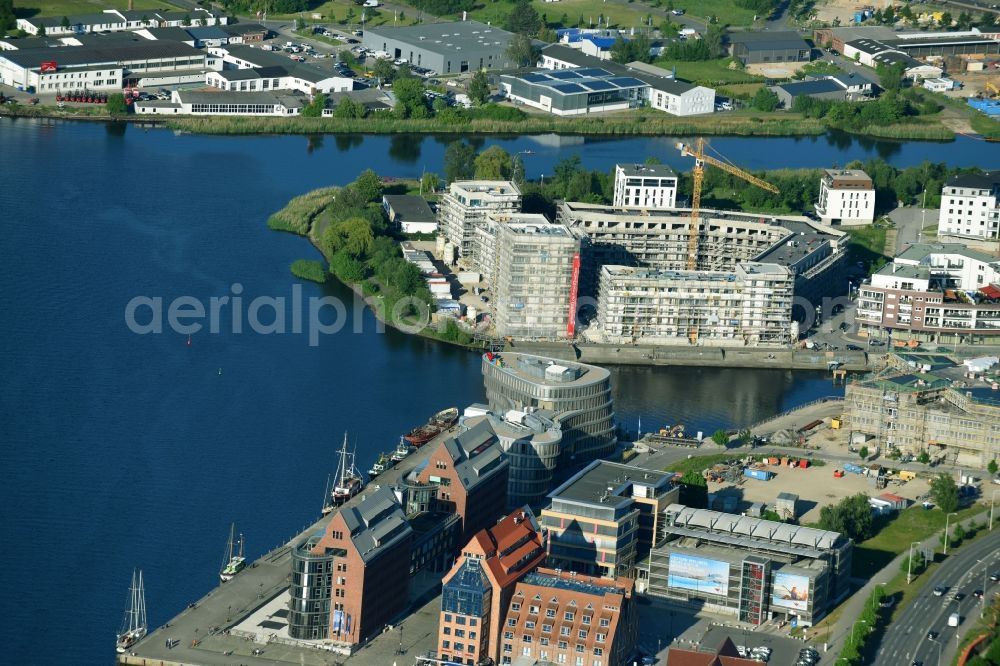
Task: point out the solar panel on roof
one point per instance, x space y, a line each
626 81
535 78
568 88
565 74
592 71
596 84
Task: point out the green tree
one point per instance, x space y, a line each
479 88
946 19
186 20
315 108
41 30
459 161
745 437
383 70
521 52
348 108
429 183
915 566
890 77
992 467
693 490
347 268
958 533
851 516
494 163
765 99
369 185
944 492
863 453
65 23
523 19
8 21
713 39
720 437
349 16
410 100
116 105
923 458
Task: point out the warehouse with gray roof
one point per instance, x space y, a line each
445 48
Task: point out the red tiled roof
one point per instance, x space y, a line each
725 655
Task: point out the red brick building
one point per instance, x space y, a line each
569 618
354 578
477 590
470 471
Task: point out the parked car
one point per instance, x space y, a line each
876 343
958 597
940 590
677 12
978 594
931 635
995 576
854 348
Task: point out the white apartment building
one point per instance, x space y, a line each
468 203
534 279
970 206
937 292
645 186
114 20
751 306
846 197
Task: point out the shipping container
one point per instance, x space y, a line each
803 463
853 469
759 474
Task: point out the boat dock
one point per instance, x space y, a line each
200 635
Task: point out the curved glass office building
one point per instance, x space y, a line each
576 395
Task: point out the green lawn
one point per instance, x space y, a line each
29 8
699 463
867 246
590 11
985 125
708 72
336 11
726 10
913 524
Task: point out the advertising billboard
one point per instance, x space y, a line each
688 572
790 591
48 66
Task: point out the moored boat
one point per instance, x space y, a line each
383 463
234 562
133 627
402 450
437 424
347 483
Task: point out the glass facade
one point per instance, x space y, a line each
312 578
467 593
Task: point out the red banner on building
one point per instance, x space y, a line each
49 66
574 286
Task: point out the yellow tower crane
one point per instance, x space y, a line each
698 173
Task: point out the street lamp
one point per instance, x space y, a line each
909 563
993 501
855 626
946 533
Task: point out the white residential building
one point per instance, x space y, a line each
114 20
846 197
219 103
970 206
750 305
468 203
645 186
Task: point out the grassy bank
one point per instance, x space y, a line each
645 123
297 217
309 269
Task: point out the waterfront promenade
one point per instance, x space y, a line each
200 635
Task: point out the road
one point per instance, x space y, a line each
906 639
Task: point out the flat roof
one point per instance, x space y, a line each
761 41
983 181
581 584
848 174
645 73
905 271
450 37
647 170
578 81
816 87
117 52
921 251
410 207
213 96
533 368
488 186
767 531
606 483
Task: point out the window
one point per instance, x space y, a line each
568 616
509 635
547 628
529 625
582 633
447 631
525 638
564 631
447 617
533 610
601 637
515 606
460 619
526 651
586 619
460 633
511 622
550 612
580 647
473 622
459 646
563 645
605 622
445 645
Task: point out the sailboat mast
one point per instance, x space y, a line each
141 609
342 470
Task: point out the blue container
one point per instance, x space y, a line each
759 474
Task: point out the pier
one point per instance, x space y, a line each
207 632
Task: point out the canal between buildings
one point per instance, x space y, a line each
123 450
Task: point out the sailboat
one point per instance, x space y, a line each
234 561
134 623
348 482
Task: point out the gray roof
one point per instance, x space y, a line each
451 36
311 72
373 98
905 271
376 523
608 483
816 87
920 251
235 29
175 34
573 56
76 19
577 80
758 528
207 32
848 33
211 96
868 45
117 52
984 181
894 57
475 454
410 207
765 41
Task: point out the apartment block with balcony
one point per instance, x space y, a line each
468 203
605 518
934 292
645 186
476 592
970 206
751 305
846 197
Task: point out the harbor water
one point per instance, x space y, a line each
125 450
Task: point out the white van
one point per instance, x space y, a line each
953 620
371 3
